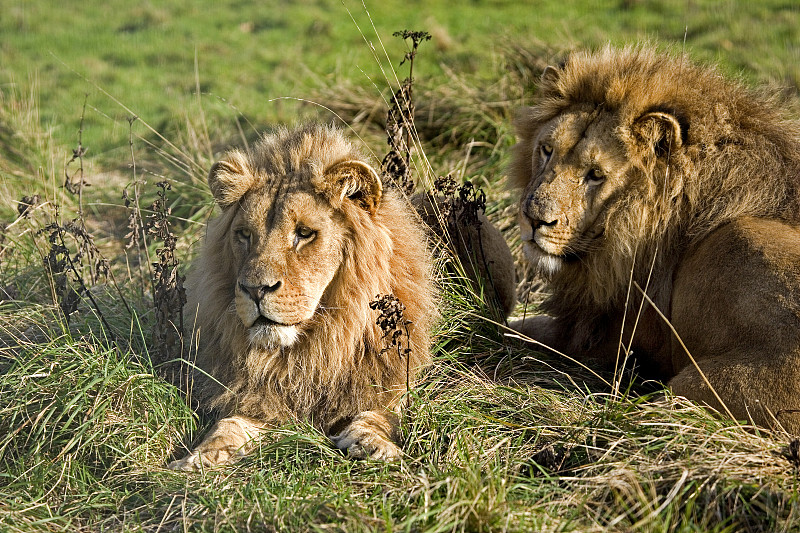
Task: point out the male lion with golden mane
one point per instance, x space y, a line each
281 294
643 171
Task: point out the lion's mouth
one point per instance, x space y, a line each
542 247
571 252
548 263
263 321
268 334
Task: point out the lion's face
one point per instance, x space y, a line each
286 253
287 238
577 170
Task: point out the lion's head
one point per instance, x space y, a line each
287 239
578 168
629 156
307 237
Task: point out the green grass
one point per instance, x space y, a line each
498 437
152 57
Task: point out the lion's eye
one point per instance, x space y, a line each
595 176
243 235
547 151
304 233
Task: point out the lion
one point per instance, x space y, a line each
661 202
479 246
306 239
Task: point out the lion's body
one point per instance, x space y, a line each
640 168
280 295
480 247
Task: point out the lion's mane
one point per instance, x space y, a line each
739 156
338 369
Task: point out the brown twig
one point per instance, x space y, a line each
394 327
136 236
76 187
169 295
61 263
396 165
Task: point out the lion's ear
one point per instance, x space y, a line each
229 179
356 181
659 131
550 75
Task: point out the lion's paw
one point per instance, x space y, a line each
367 445
191 463
228 441
206 459
196 461
370 435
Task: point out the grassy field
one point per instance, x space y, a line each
123 95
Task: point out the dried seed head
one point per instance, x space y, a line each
392 322
26 205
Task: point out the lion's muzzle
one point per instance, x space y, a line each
258 292
536 226
271 311
540 235
256 305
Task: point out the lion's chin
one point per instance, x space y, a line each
548 265
266 334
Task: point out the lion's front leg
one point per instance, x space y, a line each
230 439
543 329
371 434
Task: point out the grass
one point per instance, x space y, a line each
498 437
159 58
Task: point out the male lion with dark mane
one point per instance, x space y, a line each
280 294
644 172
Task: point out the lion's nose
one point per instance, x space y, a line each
259 291
536 213
537 223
